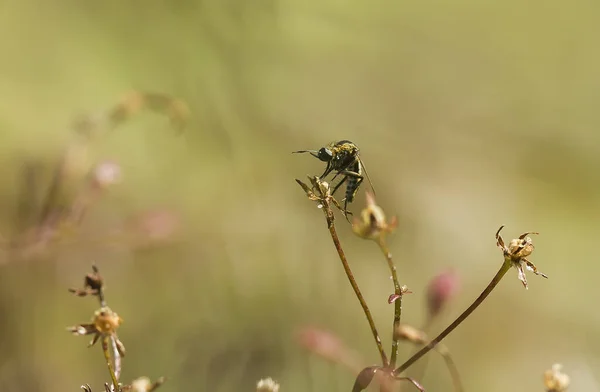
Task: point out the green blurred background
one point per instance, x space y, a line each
469 114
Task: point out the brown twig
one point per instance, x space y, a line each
325 199
330 224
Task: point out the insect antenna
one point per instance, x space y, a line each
314 153
367 175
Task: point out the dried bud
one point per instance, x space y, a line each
328 346
555 380
411 334
267 385
441 290
141 384
521 247
372 224
106 321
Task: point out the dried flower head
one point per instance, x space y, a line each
517 251
410 334
104 325
106 321
441 289
372 224
555 380
267 385
320 192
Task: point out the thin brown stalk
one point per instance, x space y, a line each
330 224
397 302
490 287
111 370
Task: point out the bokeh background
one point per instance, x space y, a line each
468 114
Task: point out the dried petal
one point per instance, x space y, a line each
120 346
533 268
82 329
522 276
94 340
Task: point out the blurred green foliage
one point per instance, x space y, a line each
469 115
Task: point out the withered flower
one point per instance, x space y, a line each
372 224
104 325
555 380
320 192
410 334
92 285
267 385
517 251
143 384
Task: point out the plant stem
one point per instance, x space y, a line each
330 223
113 376
397 303
454 374
497 278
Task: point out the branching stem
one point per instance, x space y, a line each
330 224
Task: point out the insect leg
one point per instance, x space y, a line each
327 170
339 185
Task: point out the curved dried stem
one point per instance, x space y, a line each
490 287
329 215
320 193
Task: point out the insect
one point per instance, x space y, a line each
343 158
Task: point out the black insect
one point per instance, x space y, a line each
342 158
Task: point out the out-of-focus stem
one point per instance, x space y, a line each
454 374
